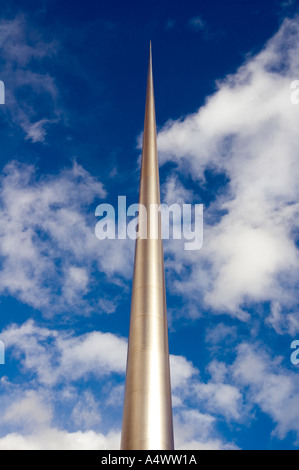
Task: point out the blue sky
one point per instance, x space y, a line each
75 78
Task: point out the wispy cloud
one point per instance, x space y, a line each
69 358
30 411
22 49
269 386
196 431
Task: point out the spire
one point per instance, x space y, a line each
147 415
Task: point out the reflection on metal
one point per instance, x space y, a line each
147 415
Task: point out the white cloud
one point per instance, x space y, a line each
219 333
255 378
218 371
72 357
108 305
36 132
196 431
75 280
283 321
15 48
181 371
38 415
216 396
86 413
69 358
100 353
48 243
55 439
272 388
22 47
175 192
30 411
248 131
223 399
54 358
46 408
116 396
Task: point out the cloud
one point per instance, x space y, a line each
197 23
86 413
181 371
30 410
247 134
56 356
283 322
72 357
196 431
255 378
38 414
15 48
36 132
44 407
175 192
223 399
53 363
49 250
269 386
220 333
23 50
216 396
55 439
116 396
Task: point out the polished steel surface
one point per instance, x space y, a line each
147 415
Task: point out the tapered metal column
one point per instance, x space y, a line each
147 415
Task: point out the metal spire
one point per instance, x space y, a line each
147 415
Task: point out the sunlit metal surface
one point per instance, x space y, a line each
147 416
